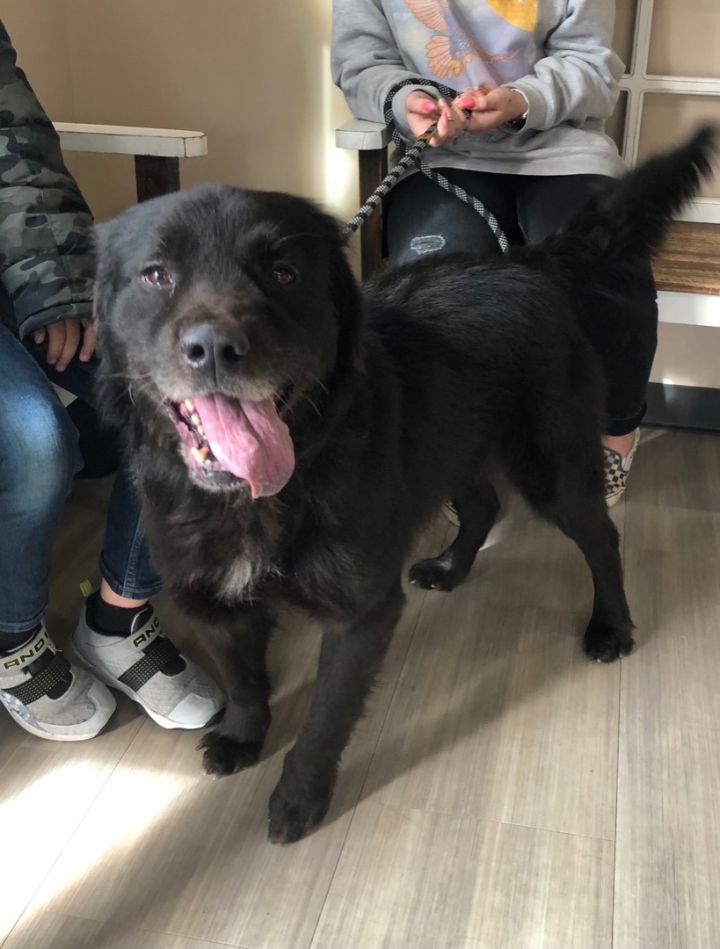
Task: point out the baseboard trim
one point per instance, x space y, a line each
683 407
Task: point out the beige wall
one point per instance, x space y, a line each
686 38
254 75
668 117
38 30
685 42
624 29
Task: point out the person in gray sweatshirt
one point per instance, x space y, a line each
520 90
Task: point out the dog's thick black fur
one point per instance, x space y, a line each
396 397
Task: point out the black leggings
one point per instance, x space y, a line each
421 218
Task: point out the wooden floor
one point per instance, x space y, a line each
502 792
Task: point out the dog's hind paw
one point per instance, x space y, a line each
435 574
223 755
607 643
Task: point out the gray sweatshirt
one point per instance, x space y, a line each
555 52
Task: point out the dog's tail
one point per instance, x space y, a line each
632 217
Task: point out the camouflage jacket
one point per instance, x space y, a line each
46 260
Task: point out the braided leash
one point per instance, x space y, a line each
412 156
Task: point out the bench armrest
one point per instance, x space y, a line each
361 136
128 140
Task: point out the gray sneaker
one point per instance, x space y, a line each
145 665
51 697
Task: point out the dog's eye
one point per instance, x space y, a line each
283 275
158 277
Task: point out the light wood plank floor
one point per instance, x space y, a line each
501 793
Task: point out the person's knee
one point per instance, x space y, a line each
476 239
39 455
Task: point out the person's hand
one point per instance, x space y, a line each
422 110
63 339
490 108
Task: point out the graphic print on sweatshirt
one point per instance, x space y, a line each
464 42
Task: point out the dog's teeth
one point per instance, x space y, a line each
189 405
199 454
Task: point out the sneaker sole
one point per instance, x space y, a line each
113 683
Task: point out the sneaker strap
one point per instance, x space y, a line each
36 685
153 650
17 660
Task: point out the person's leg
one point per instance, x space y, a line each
545 203
627 338
41 690
626 342
118 633
421 218
128 578
38 459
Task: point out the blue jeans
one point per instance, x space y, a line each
39 457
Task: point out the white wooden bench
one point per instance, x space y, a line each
157 152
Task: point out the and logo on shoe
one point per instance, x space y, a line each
149 633
33 650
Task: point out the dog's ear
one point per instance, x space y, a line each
103 271
116 244
348 302
114 396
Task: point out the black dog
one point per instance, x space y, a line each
290 433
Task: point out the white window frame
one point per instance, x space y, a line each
637 83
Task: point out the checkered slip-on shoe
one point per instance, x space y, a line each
617 470
146 666
51 697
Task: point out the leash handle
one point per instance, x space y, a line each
413 156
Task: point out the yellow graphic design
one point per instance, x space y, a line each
450 49
521 13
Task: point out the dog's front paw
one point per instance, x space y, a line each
223 755
292 818
606 643
435 574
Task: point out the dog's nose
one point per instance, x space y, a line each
207 346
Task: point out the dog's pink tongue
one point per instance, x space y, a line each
250 440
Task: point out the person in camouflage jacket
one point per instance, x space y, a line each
46 334
46 261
